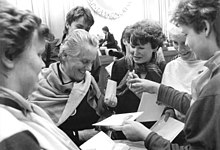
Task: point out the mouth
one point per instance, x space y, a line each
184 53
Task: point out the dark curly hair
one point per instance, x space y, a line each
147 31
16 30
194 12
76 13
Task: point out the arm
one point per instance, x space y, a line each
173 98
20 141
166 95
135 131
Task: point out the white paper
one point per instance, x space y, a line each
103 142
152 111
110 93
168 130
110 88
98 142
118 119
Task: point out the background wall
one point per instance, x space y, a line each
53 12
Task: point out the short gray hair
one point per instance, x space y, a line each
75 40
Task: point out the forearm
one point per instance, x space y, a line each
156 142
173 98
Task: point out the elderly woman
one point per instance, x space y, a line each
24 125
68 92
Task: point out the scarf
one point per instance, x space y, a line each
34 119
61 100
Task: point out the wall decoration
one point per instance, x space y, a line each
109 9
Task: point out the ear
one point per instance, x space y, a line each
67 26
124 41
7 61
207 28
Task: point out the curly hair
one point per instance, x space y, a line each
76 13
16 30
194 12
147 31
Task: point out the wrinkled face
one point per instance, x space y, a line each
142 53
78 24
29 65
76 66
183 50
197 42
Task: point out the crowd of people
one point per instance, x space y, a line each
52 102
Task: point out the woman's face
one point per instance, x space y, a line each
28 66
76 66
183 50
197 42
142 53
78 24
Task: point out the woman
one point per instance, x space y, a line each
199 20
109 40
68 92
24 125
180 72
142 40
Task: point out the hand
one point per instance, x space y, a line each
168 113
143 85
86 134
133 130
111 101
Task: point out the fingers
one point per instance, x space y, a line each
116 128
166 116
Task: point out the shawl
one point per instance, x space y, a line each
32 118
61 100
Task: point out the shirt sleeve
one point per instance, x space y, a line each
174 98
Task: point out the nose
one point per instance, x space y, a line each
43 65
88 67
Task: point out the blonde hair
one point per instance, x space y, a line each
74 42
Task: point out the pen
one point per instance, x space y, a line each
131 75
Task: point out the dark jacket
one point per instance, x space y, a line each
111 42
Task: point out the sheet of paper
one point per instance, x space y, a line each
168 130
98 142
110 88
118 119
152 111
103 142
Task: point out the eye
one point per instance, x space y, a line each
175 42
79 26
85 62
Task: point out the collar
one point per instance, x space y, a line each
16 97
214 62
62 75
